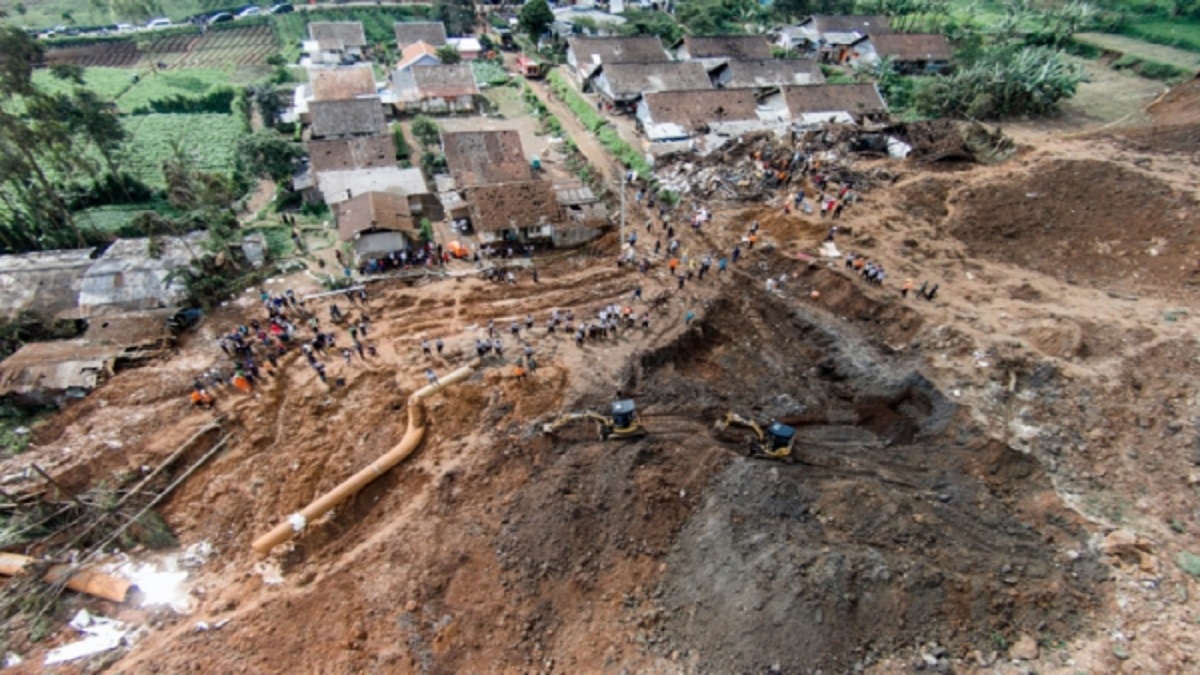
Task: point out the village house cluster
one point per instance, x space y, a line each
733 84
490 187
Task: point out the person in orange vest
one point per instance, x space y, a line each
908 284
202 399
243 384
673 264
753 238
519 373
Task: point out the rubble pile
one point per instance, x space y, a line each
950 140
753 167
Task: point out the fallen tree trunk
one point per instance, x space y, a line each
91 582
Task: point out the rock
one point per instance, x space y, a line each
1125 544
1025 648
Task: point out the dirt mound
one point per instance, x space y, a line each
950 140
1085 222
1180 105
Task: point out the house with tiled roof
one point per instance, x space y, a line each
334 42
765 73
418 54
435 89
915 53
819 103
622 84
345 119
586 54
822 31
484 157
376 224
409 33
711 50
679 115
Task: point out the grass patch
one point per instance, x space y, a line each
186 83
1153 70
108 83
210 139
583 110
115 217
1188 562
1180 31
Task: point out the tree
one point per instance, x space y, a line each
458 15
535 18
266 154
1003 82
641 22
426 130
448 55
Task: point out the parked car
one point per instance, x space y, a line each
248 10
154 24
125 28
220 17
282 8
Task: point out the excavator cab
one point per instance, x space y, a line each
624 418
780 436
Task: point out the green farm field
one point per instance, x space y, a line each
210 139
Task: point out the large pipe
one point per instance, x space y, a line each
93 583
412 438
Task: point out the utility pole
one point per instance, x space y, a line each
621 244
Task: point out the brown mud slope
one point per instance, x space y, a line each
1085 222
1175 127
898 523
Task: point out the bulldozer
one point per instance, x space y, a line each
622 423
773 442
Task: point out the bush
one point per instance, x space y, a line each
1002 83
402 149
216 101
586 114
426 130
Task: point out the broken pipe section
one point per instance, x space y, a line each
93 583
349 487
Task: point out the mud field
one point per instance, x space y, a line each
999 480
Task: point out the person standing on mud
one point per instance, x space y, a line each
431 376
425 348
439 345
908 284
737 253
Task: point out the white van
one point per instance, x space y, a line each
158 23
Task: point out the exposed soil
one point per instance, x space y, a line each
1002 479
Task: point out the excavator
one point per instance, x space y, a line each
774 442
622 423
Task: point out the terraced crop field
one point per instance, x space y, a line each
249 46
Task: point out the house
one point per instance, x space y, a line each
583 214
376 223
348 154
678 115
819 31
819 103
435 89
138 274
43 373
334 42
622 84
711 50
483 157
911 53
432 33
524 211
418 54
339 186
586 54
344 119
765 73
341 83
45 284
468 48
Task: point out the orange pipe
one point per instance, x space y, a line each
93 583
412 438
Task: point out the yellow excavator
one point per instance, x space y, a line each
773 442
623 423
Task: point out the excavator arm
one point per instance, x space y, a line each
566 419
734 419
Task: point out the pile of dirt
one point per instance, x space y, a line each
1180 105
951 140
1175 125
1085 222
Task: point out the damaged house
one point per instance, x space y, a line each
823 103
680 115
435 89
